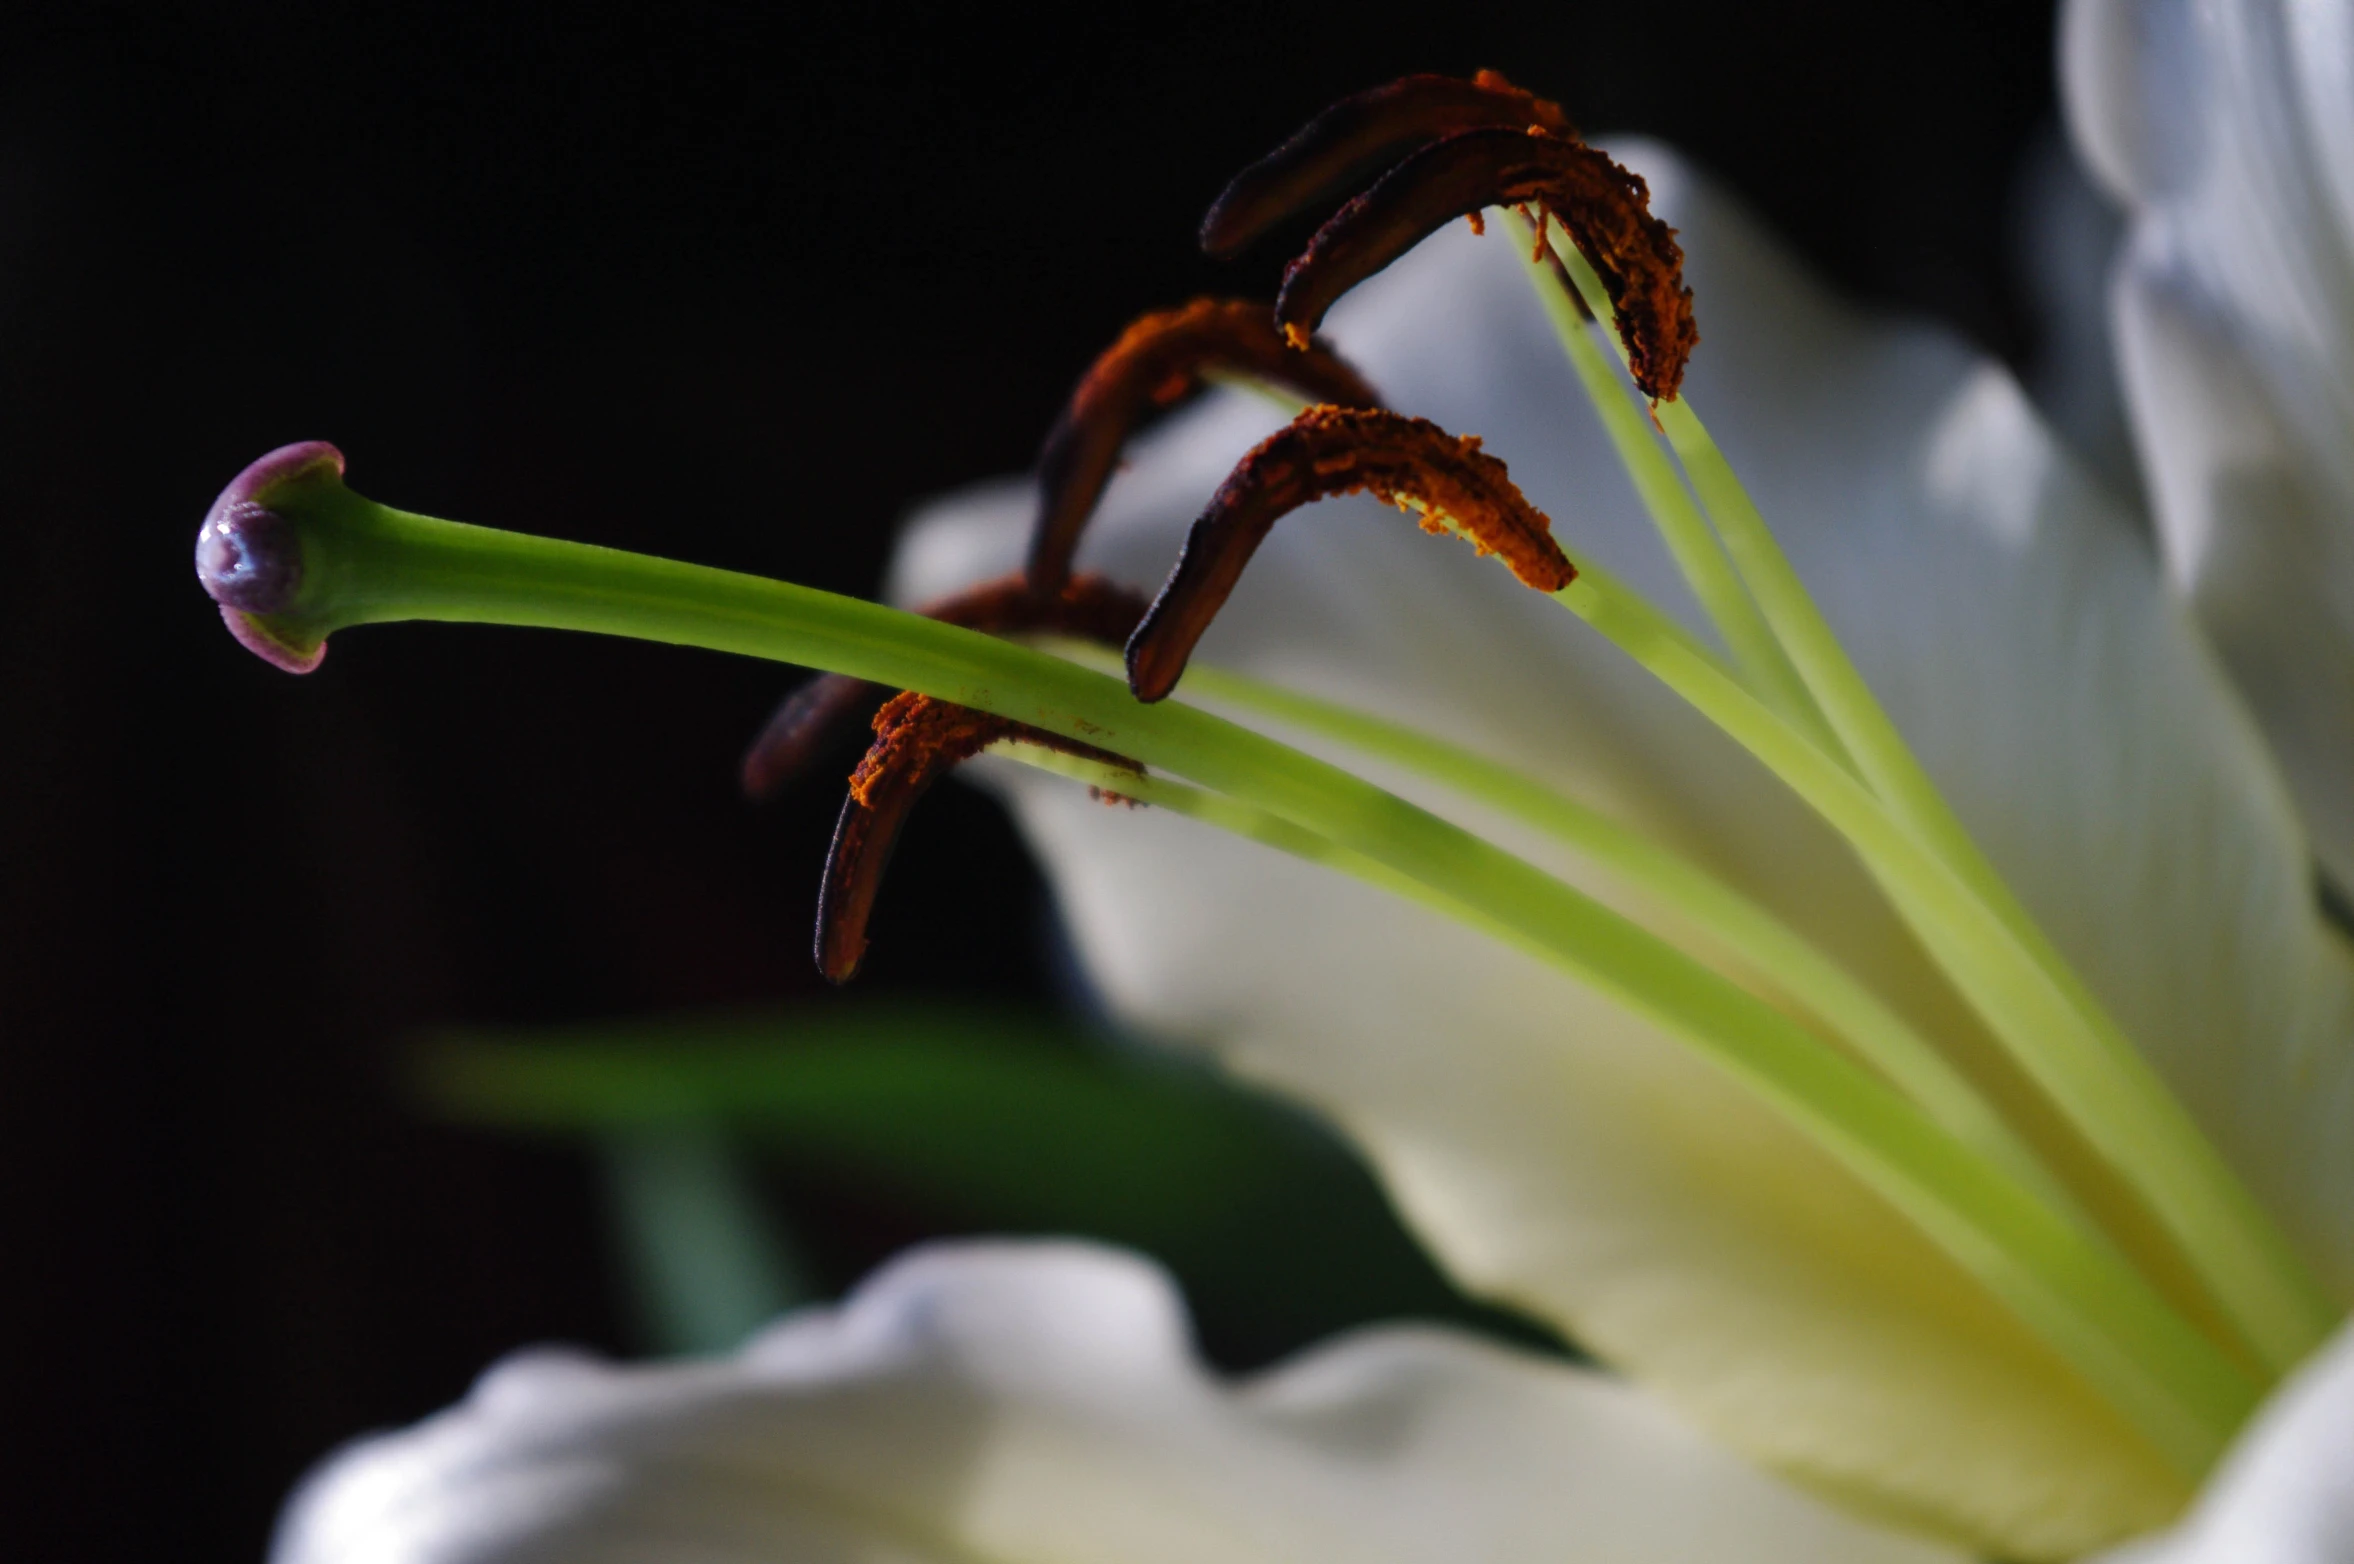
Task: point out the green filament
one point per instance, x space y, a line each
1698 555
1953 898
1762 943
2239 1253
363 563
1226 814
2019 1255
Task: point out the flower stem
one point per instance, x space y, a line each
362 563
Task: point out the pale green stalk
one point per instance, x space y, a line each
2092 1071
2249 1264
2098 1353
1769 948
1290 401
1764 665
2124 1113
1243 820
2075 1051
1879 752
364 563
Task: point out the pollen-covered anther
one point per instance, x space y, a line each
1159 359
1602 207
1446 481
918 740
810 718
1338 151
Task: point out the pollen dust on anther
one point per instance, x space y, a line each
1445 481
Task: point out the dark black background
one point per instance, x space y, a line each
731 286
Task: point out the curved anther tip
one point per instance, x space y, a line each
918 740
839 946
1413 464
1603 208
1162 357
249 555
1335 153
800 729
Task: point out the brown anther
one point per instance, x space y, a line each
814 714
1599 205
1358 137
918 740
1157 360
801 728
1448 481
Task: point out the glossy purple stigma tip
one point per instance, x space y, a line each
249 556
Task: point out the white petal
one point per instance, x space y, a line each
1039 1403
2066 249
2228 128
1556 1152
2286 1493
2123 84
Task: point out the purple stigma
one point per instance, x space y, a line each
249 556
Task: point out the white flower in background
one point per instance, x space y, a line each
1040 1402
1028 1404
2226 132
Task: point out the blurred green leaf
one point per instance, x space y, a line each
707 1264
990 1121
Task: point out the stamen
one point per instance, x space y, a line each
1410 462
1698 555
1157 360
1089 607
2001 961
2038 1012
1602 207
918 740
1358 137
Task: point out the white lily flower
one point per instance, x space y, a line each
2227 134
1041 1402
1561 1151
